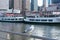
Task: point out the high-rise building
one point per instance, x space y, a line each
45 3
28 6
49 2
55 1
34 5
11 4
19 3
4 4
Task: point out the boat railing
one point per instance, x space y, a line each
11 15
31 13
27 35
49 14
41 14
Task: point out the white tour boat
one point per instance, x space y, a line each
54 18
11 17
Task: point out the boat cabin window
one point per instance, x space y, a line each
30 16
51 15
43 20
20 19
8 19
31 19
37 20
50 20
16 19
12 19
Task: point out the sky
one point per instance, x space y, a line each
40 2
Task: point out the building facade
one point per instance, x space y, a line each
54 5
46 3
11 4
28 6
49 2
34 5
19 4
55 1
4 4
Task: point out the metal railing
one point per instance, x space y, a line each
26 35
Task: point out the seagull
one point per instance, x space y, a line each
29 29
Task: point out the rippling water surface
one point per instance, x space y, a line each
44 30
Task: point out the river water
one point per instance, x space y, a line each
43 30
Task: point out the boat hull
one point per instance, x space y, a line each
43 20
13 21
